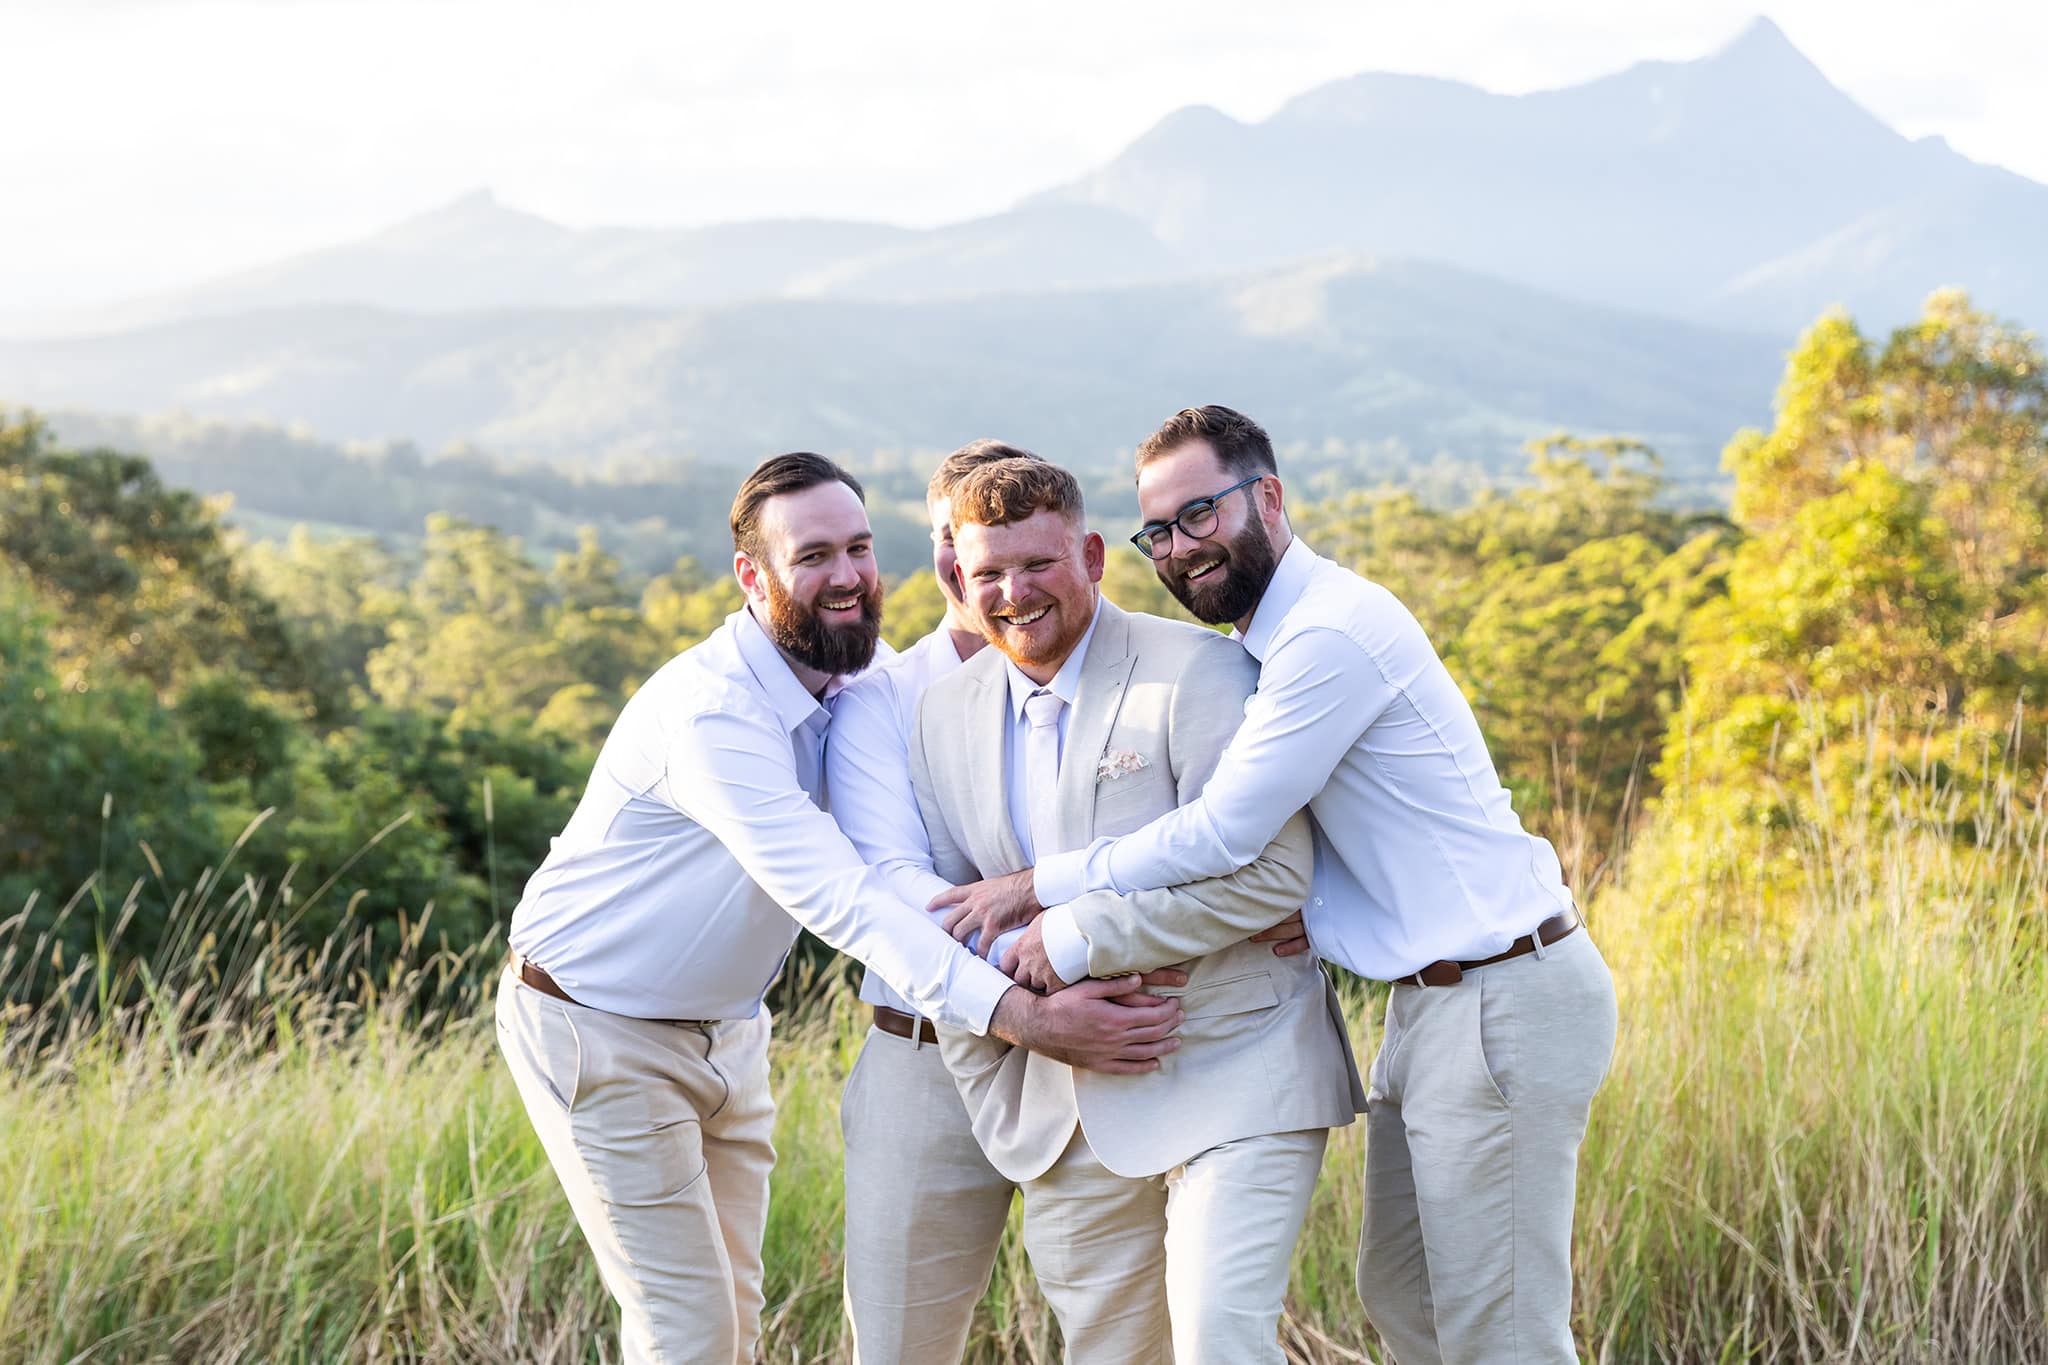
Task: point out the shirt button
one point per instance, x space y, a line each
1319 900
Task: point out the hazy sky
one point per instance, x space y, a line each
148 143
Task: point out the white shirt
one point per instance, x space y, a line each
1418 853
867 775
867 765
1061 936
679 884
1065 685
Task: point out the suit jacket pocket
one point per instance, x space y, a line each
1234 995
1126 803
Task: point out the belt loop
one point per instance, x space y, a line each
1541 949
917 1035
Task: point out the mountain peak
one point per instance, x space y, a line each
474 216
480 200
480 205
1762 49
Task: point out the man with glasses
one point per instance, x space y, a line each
1502 1018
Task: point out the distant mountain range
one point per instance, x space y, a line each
1335 348
1741 189
1385 257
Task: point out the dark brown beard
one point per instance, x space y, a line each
799 630
1230 593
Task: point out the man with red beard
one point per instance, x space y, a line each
925 1210
1501 1021
631 1014
1160 1210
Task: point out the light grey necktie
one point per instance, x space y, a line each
1042 770
807 745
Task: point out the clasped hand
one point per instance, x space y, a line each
993 907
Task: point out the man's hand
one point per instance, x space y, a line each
1026 962
991 908
1161 976
1088 1025
1288 937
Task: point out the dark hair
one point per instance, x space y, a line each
966 460
1239 442
1006 491
774 476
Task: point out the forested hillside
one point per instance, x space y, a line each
393 731
1343 348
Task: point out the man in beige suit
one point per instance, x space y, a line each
1161 1210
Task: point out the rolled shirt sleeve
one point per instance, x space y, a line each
742 787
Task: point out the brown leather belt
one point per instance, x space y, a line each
905 1025
1447 973
530 974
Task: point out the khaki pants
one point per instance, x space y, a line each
1477 1105
660 1136
924 1209
1184 1268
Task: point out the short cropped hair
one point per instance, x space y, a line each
1240 443
774 476
1011 490
966 460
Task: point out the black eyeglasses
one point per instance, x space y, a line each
1197 519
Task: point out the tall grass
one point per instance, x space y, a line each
1833 1148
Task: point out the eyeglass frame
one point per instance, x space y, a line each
1208 504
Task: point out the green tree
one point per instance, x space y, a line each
687 603
99 787
914 609
1887 605
138 575
338 597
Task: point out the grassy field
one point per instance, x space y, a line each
1828 1146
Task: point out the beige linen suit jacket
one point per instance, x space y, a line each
1263 1048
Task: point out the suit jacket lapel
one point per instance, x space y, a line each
1096 703
988 728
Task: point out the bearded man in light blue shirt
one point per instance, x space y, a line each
1501 1022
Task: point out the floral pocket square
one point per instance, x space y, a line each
1118 763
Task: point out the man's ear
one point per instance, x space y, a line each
1272 502
749 571
1093 556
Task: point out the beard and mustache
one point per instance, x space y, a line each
1073 624
1228 593
1244 565
801 631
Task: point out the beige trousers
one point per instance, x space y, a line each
924 1209
1186 1268
660 1136
1476 1109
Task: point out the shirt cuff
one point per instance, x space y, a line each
1058 878
1004 941
975 994
1066 948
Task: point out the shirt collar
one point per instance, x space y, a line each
792 701
1283 590
939 650
1065 684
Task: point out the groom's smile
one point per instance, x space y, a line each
1031 585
